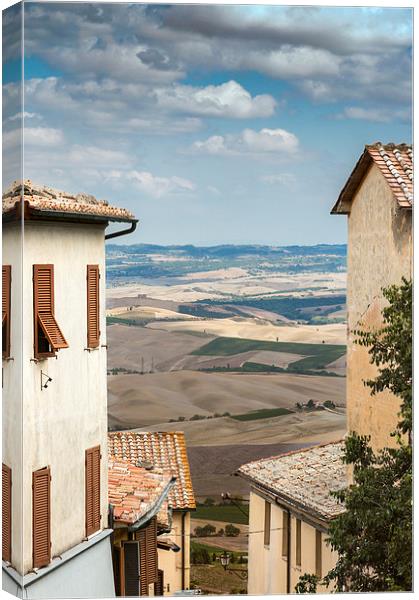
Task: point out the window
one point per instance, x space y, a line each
131 569
93 332
318 553
267 525
148 556
41 517
47 334
6 513
6 290
285 525
92 492
298 542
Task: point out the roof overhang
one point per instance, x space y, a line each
343 203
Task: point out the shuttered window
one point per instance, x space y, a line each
6 513
41 517
131 568
148 555
6 291
93 332
318 553
47 333
298 542
285 532
267 526
159 585
92 493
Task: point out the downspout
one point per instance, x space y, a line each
183 550
288 552
115 234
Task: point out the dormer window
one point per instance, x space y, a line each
6 290
48 338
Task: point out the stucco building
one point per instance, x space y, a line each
290 504
165 451
56 539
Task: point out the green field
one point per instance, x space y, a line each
262 413
227 513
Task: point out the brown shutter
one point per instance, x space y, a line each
131 567
44 320
298 542
159 585
6 291
285 527
41 535
267 526
92 493
6 513
318 553
93 333
148 555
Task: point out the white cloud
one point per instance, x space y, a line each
265 141
159 186
377 115
93 155
286 179
229 99
43 136
294 62
25 115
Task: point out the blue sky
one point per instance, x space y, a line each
213 124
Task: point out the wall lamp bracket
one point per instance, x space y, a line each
44 384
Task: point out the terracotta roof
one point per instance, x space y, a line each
166 450
395 163
304 478
45 199
134 491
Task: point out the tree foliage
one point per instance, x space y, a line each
373 537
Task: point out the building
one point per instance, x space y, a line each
166 451
290 510
377 199
139 513
56 539
290 504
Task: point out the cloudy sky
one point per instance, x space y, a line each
213 124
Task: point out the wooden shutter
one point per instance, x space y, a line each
93 333
131 568
267 527
148 555
6 513
285 526
44 320
318 553
6 291
116 560
159 585
298 542
92 493
41 516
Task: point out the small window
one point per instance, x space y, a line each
285 525
6 292
92 492
41 516
93 324
298 542
267 526
147 537
6 513
318 553
48 338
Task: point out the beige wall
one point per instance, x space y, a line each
59 423
267 566
171 562
379 254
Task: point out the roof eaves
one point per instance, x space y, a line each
154 509
343 203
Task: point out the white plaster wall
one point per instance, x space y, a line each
171 562
379 254
12 414
61 422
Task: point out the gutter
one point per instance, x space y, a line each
130 229
288 551
154 510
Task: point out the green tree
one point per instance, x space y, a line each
373 537
231 530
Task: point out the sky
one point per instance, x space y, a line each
213 124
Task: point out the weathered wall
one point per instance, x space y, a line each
171 562
70 416
379 254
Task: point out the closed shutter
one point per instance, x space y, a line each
45 326
318 553
148 555
159 585
92 493
93 333
116 560
131 581
267 525
6 513
6 291
41 516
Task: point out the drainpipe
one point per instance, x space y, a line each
288 552
183 549
115 234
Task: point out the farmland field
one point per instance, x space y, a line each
227 513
